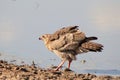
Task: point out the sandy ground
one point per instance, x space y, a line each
10 71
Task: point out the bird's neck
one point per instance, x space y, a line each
48 45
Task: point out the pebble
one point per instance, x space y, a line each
9 71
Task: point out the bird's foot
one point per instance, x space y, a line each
53 70
57 69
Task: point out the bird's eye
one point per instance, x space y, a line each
43 36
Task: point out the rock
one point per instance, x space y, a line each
106 78
10 71
67 69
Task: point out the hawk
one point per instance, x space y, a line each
68 42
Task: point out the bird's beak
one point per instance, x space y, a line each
40 38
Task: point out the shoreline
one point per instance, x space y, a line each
10 71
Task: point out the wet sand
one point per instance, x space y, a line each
10 71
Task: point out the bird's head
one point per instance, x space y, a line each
45 37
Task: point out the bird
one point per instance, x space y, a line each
68 42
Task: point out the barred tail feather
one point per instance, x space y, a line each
90 38
89 46
92 46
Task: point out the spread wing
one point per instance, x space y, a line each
56 44
63 31
68 41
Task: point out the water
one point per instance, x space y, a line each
20 61
101 72
23 21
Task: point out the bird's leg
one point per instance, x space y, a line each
62 62
69 62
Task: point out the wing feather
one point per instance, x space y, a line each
69 47
68 41
56 44
63 31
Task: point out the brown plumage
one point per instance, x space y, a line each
68 42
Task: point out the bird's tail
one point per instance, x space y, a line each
92 46
90 38
87 46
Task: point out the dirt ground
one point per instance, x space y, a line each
10 71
